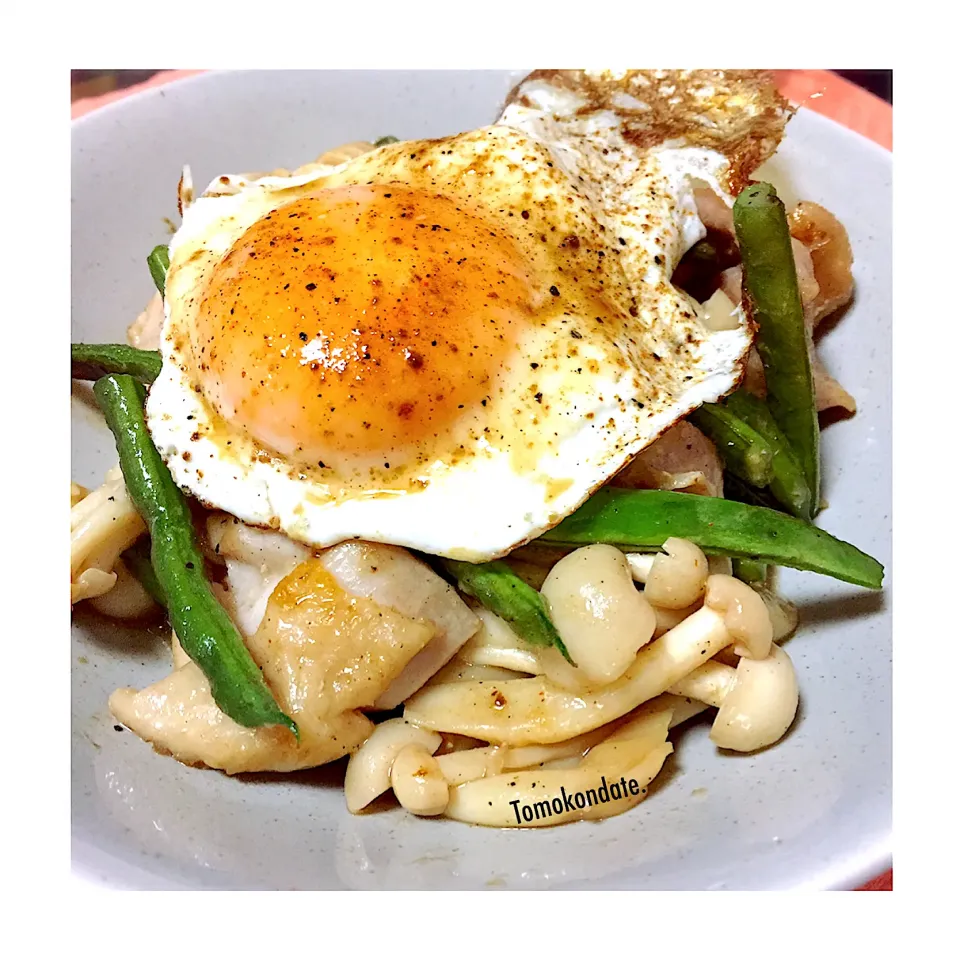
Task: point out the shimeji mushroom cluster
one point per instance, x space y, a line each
506 723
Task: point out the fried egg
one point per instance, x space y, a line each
449 344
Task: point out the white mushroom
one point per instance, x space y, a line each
456 671
559 671
127 599
537 710
709 683
757 699
744 613
668 619
759 705
718 564
455 742
673 579
102 525
684 708
418 782
536 754
601 616
496 645
540 754
611 778
533 798
368 770
783 614
462 766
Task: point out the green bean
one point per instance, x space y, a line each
773 295
159 263
750 571
207 634
137 559
383 141
744 452
787 481
90 361
637 520
500 590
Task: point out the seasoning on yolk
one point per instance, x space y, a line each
359 322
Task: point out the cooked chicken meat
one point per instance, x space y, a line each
355 627
325 654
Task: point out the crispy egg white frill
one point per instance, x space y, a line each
443 344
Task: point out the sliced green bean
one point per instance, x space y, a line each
638 520
159 263
743 451
787 481
91 361
500 590
771 289
383 141
206 633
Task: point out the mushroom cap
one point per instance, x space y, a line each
418 782
761 705
598 611
677 576
368 770
744 613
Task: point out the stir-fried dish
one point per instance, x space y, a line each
472 459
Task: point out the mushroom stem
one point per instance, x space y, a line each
536 710
682 709
709 683
462 766
677 576
640 565
668 619
369 768
418 783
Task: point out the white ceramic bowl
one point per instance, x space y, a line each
814 811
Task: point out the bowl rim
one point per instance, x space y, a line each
89 864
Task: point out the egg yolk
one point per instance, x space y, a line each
357 324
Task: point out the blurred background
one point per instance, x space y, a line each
92 83
878 82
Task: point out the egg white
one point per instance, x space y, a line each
600 410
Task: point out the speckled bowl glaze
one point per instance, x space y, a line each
813 812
